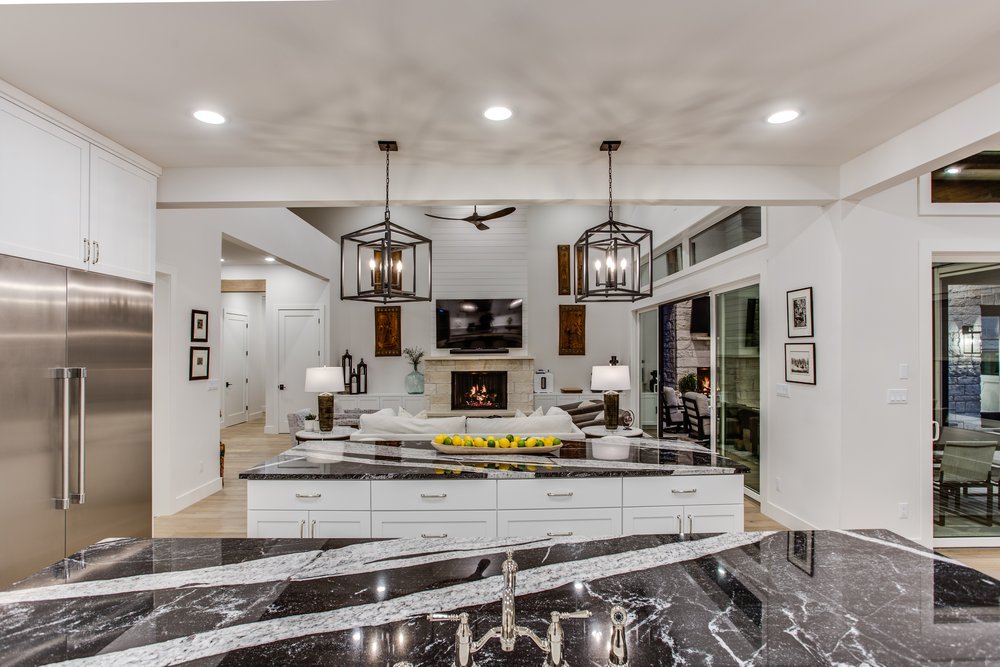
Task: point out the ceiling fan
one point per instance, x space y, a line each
477 219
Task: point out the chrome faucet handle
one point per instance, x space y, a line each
463 638
618 656
554 636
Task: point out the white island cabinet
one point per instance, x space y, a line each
449 507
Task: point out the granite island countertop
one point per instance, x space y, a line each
802 598
604 457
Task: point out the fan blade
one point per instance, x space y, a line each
498 214
441 217
480 226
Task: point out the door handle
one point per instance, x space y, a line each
281 387
86 251
80 497
680 525
302 528
935 431
97 252
312 529
690 523
62 502
229 384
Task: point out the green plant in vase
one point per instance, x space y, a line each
688 383
415 380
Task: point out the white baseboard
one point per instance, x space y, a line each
792 521
196 494
256 415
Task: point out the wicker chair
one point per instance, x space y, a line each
297 422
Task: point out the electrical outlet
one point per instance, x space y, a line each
904 510
777 484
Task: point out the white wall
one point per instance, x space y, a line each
285 287
250 304
189 242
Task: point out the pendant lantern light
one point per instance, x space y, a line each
613 258
385 263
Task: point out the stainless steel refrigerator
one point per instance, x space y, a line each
75 412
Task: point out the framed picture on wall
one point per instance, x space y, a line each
562 259
800 363
572 330
199 326
800 313
198 363
388 339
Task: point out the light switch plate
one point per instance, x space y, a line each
212 385
898 396
904 371
782 389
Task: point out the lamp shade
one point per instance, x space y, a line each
324 379
615 378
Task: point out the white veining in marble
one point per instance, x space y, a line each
534 580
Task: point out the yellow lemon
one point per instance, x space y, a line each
439 439
438 471
457 441
503 466
547 441
480 442
456 472
531 442
503 442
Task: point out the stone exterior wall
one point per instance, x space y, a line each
520 381
690 353
964 367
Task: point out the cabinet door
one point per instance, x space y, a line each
122 214
340 524
444 524
43 189
652 520
713 518
277 523
560 523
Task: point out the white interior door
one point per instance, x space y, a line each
235 349
300 346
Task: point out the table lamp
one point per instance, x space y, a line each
325 380
610 380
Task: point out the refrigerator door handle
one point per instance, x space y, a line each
80 497
62 374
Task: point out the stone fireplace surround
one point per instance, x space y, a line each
520 381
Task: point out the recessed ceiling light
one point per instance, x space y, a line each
784 116
222 259
210 117
953 170
270 259
497 113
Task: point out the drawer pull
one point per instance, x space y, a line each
312 529
559 494
433 495
435 535
308 495
683 490
568 534
302 528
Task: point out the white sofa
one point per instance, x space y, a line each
392 427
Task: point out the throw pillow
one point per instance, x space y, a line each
555 410
537 413
404 413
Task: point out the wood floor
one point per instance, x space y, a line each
223 514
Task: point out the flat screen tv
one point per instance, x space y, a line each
479 324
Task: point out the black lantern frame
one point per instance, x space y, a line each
379 263
611 256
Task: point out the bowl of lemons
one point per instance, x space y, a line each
459 443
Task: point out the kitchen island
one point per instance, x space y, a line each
800 598
607 486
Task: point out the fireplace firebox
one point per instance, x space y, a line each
479 390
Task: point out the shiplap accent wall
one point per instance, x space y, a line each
469 263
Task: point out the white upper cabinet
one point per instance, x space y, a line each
43 189
67 201
122 215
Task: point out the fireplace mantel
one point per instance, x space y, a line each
520 380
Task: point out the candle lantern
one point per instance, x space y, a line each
362 377
347 365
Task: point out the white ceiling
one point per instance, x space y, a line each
680 82
239 254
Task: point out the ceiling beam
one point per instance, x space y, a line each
449 185
966 128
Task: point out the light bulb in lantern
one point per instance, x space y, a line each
399 266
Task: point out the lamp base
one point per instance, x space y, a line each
611 410
325 412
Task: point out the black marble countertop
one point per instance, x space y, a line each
604 457
803 598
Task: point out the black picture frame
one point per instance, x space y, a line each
199 326
801 550
800 363
199 363
799 311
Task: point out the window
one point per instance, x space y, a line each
728 233
667 263
972 180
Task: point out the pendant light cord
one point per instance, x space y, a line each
610 214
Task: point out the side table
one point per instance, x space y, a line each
336 433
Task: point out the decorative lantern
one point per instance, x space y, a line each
347 365
362 377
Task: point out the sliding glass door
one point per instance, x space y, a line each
737 376
966 400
